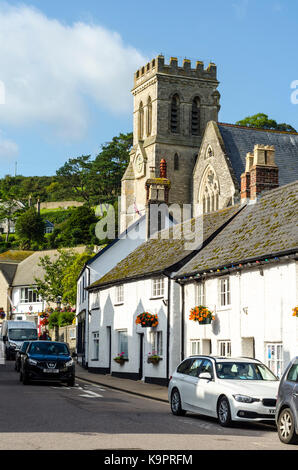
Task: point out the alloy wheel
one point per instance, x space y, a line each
286 426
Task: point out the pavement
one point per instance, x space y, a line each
135 387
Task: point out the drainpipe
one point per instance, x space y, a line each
168 329
87 320
182 319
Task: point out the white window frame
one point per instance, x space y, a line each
195 347
201 293
24 299
276 363
225 292
156 340
123 334
158 288
95 345
224 348
119 294
72 333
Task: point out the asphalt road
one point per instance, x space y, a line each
55 417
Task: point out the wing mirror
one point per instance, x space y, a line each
205 375
74 354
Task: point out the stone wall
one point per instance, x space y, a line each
60 204
67 334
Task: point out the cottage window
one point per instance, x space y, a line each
200 293
156 342
95 352
195 347
123 343
274 358
119 294
225 295
224 348
158 287
28 295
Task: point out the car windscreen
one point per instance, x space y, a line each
243 371
49 349
21 334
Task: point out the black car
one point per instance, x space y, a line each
47 361
19 353
287 405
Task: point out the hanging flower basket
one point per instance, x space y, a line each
201 314
44 322
146 319
295 312
2 314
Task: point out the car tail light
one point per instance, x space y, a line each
170 378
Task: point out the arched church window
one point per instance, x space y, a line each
176 161
195 116
141 121
149 116
174 124
209 191
209 152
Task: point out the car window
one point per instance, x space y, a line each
194 368
293 373
207 367
184 366
243 371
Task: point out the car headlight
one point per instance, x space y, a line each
245 398
32 361
69 363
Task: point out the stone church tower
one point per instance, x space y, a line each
172 105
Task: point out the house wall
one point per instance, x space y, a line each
261 308
117 317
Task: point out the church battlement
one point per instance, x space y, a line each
157 65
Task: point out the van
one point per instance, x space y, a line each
14 333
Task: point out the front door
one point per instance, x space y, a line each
141 361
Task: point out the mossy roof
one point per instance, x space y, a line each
267 227
157 255
15 256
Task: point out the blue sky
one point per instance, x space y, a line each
67 67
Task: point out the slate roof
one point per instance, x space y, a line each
157 255
268 227
239 140
8 270
29 269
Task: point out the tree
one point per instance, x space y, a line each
75 175
70 278
51 287
262 121
9 211
30 228
76 229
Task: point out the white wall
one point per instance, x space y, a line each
261 307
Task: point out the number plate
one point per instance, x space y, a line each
51 371
272 411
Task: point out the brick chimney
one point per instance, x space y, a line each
261 172
157 198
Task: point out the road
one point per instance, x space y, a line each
55 417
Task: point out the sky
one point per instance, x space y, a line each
66 68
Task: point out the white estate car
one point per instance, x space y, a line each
240 389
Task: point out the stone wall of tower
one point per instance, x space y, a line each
160 82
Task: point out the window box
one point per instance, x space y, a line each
154 359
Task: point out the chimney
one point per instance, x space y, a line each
261 172
157 198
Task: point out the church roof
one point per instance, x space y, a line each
239 140
267 228
157 255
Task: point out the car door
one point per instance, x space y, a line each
190 381
205 394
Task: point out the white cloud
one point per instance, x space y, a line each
8 149
50 70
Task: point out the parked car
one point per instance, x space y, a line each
287 404
14 333
49 361
240 389
19 352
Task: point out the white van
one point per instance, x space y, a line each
14 333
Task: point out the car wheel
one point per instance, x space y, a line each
286 427
224 412
71 382
176 404
25 379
